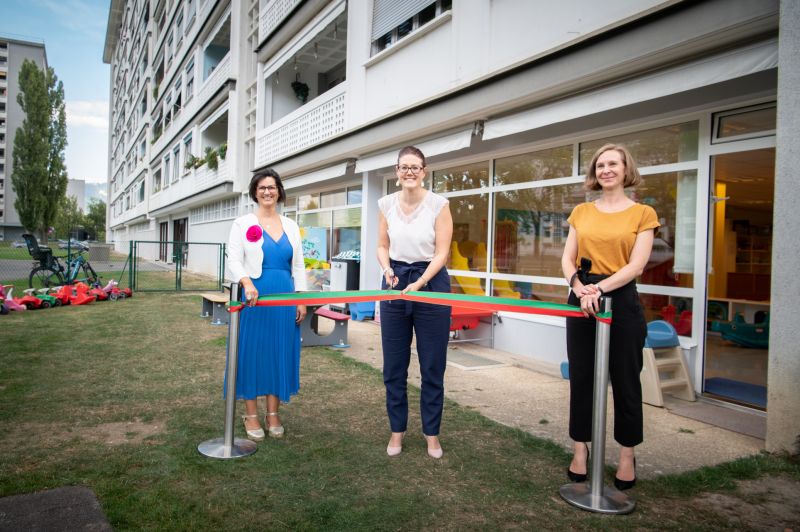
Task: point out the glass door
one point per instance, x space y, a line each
736 347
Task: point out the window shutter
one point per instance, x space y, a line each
386 14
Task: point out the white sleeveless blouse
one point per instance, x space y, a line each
412 238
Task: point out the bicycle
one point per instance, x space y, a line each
49 271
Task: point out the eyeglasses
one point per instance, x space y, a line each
271 189
405 169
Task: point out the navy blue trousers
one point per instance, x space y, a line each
400 320
628 333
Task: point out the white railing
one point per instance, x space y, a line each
218 77
194 182
270 16
316 121
135 212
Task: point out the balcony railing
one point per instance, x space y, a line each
193 183
271 16
211 85
316 121
135 212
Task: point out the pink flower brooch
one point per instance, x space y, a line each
253 233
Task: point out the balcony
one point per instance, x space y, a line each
131 214
193 183
315 122
272 14
221 74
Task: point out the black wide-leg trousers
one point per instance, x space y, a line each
628 333
400 321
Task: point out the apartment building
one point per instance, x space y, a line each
13 53
180 90
508 100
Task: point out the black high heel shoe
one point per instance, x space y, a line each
623 485
579 477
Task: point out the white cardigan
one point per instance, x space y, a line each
245 257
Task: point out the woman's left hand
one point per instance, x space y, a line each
590 304
301 313
416 286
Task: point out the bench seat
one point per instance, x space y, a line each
214 306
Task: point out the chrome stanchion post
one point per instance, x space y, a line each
228 446
594 496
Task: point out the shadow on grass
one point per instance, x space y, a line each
116 397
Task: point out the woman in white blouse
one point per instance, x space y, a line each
414 233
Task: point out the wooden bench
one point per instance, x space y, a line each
309 328
214 306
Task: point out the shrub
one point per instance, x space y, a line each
211 158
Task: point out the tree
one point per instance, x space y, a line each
39 178
56 184
95 219
31 151
69 216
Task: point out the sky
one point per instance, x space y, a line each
73 32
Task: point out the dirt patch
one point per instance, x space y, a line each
769 503
124 431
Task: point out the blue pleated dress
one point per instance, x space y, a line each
269 338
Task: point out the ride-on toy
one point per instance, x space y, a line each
745 334
6 294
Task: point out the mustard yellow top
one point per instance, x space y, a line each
608 237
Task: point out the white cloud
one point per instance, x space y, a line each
88 113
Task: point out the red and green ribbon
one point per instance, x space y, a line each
487 303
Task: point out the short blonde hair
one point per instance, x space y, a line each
632 177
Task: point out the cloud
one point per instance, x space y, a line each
78 16
92 114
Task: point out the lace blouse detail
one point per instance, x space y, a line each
412 237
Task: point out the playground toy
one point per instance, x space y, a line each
755 335
6 295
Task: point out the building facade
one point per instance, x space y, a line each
13 53
508 100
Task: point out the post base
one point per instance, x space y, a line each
611 501
216 448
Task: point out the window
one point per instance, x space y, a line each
392 20
187 150
750 122
140 192
191 8
176 157
166 170
176 107
156 181
189 80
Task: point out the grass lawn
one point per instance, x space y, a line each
116 397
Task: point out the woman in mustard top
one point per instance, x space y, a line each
616 235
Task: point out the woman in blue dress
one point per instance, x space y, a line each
265 255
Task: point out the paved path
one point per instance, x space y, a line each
520 394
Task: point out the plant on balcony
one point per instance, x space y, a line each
211 158
155 91
300 90
223 150
191 162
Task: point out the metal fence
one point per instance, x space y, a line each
149 265
170 265
16 264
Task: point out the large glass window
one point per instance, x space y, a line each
661 145
463 177
470 232
674 197
531 229
347 232
544 164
